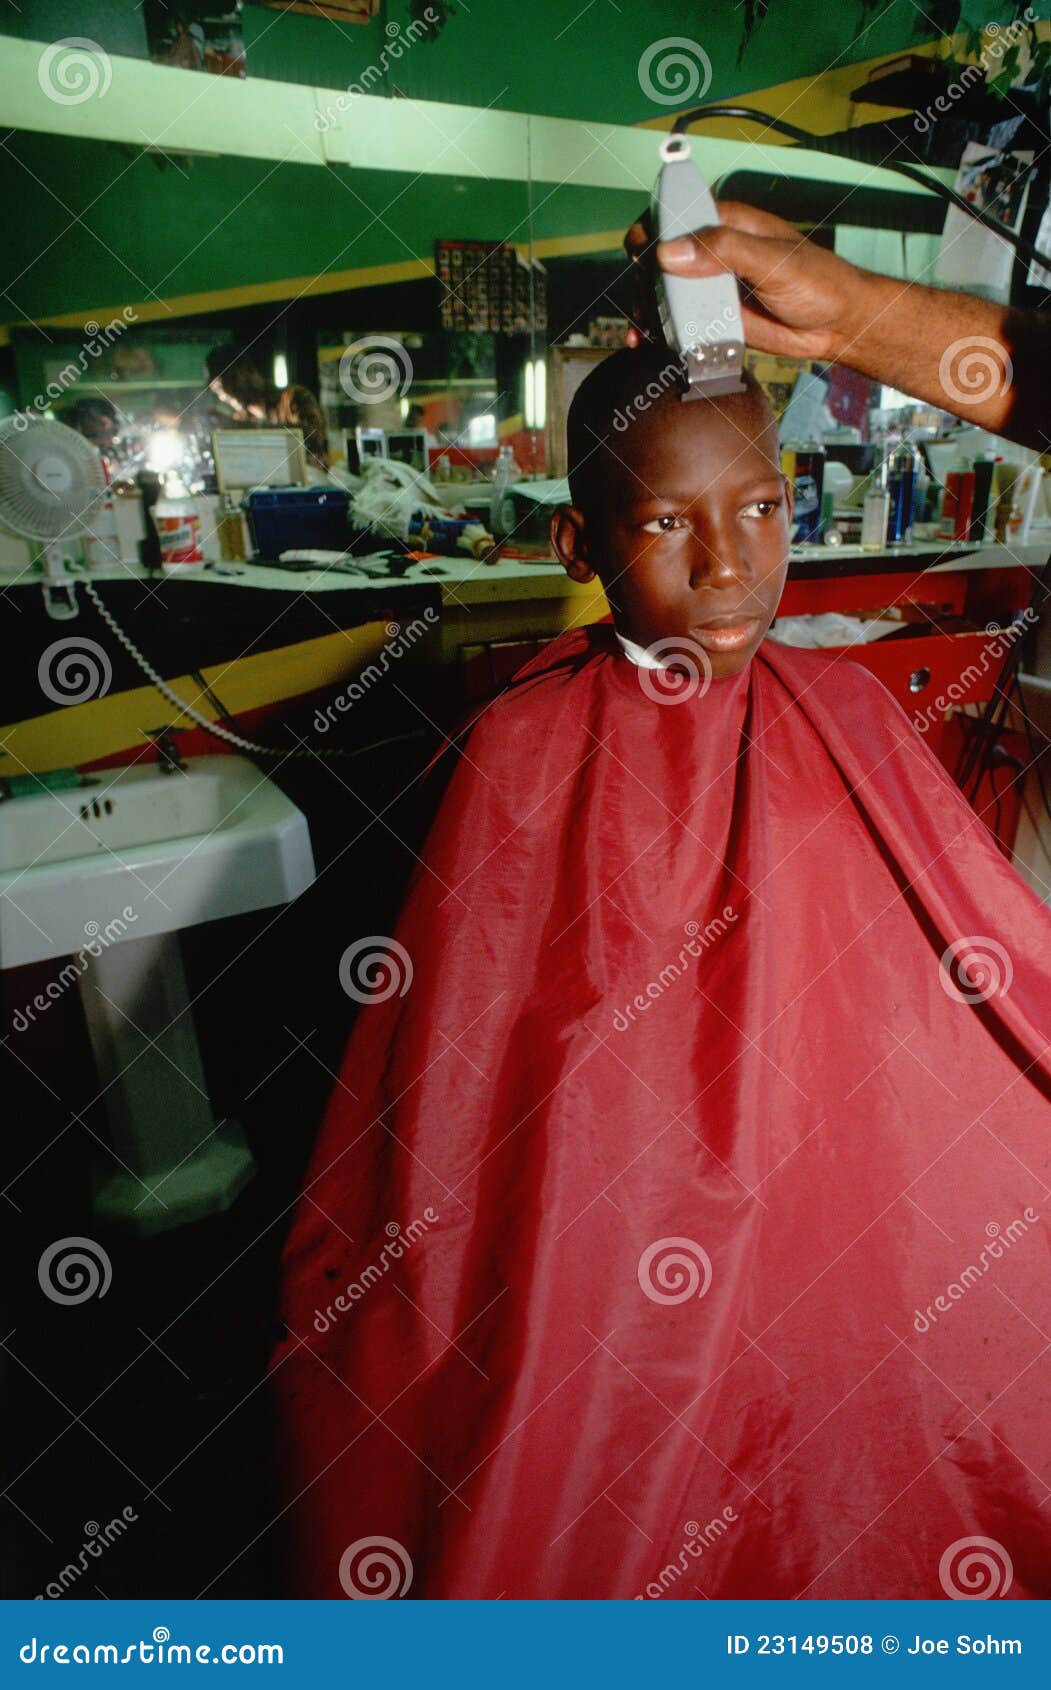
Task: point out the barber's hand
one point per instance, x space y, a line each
798 299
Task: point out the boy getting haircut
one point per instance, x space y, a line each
654 1241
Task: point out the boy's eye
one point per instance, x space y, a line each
664 524
762 507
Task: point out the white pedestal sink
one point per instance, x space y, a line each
107 874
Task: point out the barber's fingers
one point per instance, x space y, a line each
758 258
751 221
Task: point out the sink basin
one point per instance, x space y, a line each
121 807
216 839
99 879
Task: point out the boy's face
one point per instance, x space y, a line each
690 539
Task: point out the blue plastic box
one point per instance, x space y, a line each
314 518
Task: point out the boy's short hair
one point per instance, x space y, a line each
617 392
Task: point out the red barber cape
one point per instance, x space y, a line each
678 1226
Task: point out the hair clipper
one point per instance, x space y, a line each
699 316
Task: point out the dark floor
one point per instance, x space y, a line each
148 1405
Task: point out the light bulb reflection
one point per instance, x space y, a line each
165 450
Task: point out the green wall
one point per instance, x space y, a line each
100 225
556 57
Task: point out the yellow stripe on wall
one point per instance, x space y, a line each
85 732
302 287
251 293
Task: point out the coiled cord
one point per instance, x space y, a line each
323 752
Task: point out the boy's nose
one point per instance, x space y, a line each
715 562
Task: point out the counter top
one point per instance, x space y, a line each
465 580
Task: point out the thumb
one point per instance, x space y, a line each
706 252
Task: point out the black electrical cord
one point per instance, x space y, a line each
988 725
1035 755
231 736
997 811
749 114
977 752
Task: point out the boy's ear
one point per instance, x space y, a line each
569 538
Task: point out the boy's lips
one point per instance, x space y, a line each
725 633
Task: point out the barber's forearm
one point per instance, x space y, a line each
981 360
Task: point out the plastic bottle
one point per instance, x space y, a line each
501 507
984 468
1023 504
179 528
958 501
874 519
902 477
102 539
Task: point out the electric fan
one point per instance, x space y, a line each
51 480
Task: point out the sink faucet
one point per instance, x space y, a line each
168 757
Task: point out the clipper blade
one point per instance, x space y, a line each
700 315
